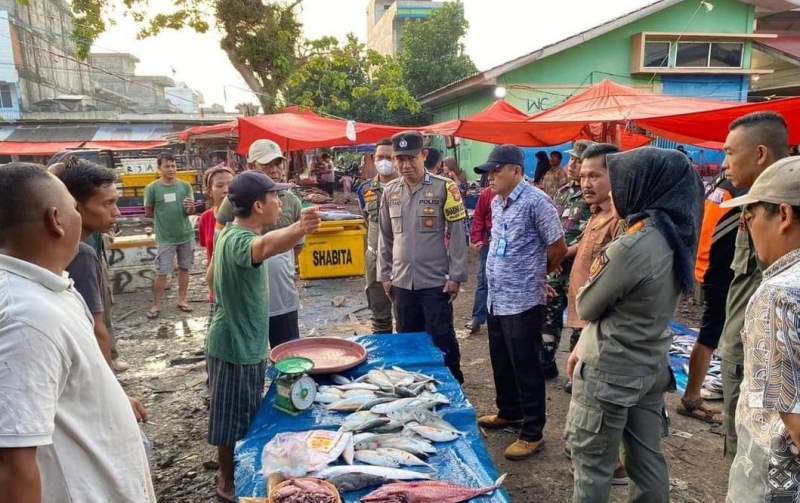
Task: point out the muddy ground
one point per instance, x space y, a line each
168 374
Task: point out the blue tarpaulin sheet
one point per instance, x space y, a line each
462 461
677 362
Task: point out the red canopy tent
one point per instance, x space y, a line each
501 122
713 127
604 107
293 131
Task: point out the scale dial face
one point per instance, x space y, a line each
303 393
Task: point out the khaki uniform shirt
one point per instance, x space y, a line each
371 193
414 223
628 303
746 278
603 226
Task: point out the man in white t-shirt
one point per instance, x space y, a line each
67 431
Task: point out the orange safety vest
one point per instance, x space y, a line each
712 228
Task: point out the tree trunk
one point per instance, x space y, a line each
267 101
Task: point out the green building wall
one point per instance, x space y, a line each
549 81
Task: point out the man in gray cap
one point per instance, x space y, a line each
422 248
574 212
766 466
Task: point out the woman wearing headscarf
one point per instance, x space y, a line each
542 167
620 368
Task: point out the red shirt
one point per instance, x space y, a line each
482 218
205 230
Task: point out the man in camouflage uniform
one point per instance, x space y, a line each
575 212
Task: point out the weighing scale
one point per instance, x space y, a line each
295 390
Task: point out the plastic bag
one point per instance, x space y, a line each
296 454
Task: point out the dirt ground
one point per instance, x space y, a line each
168 374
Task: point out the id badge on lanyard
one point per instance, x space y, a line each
500 251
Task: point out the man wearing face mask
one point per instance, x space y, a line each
420 268
369 199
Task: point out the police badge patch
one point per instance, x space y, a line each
402 143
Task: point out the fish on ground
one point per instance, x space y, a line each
434 491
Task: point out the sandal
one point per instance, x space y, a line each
185 308
152 314
697 409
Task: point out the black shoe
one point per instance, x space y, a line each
473 327
568 387
550 371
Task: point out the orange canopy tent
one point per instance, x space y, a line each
502 122
299 131
604 107
224 130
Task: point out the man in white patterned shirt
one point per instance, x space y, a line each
767 465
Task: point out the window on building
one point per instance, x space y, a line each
656 54
709 55
692 54
726 55
5 96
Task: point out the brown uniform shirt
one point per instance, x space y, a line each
603 226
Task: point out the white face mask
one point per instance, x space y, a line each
384 167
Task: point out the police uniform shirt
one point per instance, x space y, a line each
628 303
369 197
414 222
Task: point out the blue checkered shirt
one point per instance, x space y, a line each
528 221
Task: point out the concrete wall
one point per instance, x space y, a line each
549 81
131 262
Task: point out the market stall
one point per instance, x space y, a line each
464 460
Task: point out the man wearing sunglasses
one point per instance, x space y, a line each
754 142
766 466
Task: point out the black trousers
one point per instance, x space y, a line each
283 328
429 310
515 342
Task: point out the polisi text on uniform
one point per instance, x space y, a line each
332 257
432 202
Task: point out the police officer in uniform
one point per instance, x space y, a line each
369 198
422 248
574 212
620 368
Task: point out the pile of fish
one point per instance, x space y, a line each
393 423
682 348
303 491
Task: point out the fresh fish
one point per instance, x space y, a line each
349 451
437 398
401 403
377 401
340 379
358 386
381 471
406 392
359 437
389 427
431 387
357 418
418 376
326 398
409 414
358 392
376 458
350 404
435 491
433 420
402 457
414 445
433 434
379 377
347 482
329 389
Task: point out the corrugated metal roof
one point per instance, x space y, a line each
51 133
135 132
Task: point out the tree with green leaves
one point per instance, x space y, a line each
431 51
261 39
350 81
